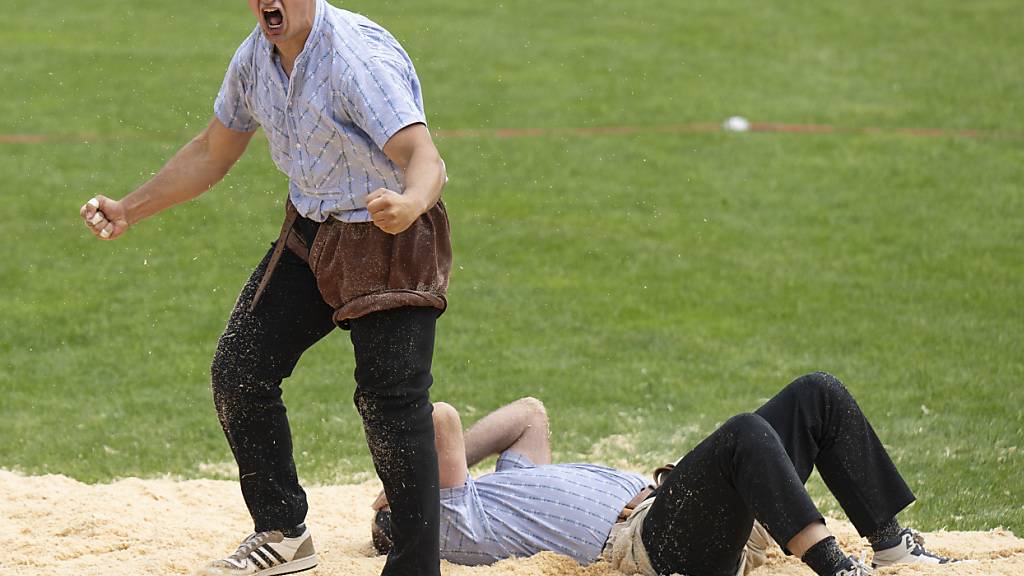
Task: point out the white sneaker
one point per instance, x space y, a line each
909 550
266 554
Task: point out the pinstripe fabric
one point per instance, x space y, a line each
522 509
351 89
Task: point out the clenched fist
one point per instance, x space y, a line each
392 212
105 218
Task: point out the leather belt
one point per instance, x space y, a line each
628 510
282 239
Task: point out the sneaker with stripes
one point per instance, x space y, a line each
266 554
907 548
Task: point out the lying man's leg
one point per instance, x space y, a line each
703 512
820 424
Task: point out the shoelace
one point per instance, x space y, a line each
860 566
918 539
251 543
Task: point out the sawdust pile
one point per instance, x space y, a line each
53 525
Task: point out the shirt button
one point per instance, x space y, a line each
298 146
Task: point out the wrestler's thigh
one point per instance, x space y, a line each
698 524
290 316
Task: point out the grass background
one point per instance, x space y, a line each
646 286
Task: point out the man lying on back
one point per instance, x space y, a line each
699 520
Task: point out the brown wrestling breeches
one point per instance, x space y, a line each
361 269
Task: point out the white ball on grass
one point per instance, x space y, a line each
736 124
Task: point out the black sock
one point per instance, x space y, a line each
825 557
886 535
294 532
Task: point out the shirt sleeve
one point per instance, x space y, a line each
232 105
381 96
465 533
509 460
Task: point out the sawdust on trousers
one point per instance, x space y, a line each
54 525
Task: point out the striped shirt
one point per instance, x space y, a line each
522 509
351 89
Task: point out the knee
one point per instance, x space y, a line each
223 374
819 384
746 426
395 375
377 405
232 377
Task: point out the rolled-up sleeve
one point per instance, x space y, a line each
232 106
510 460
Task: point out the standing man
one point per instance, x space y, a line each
364 246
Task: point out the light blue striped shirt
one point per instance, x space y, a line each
351 89
522 509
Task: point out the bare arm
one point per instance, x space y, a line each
194 169
521 426
451 447
412 149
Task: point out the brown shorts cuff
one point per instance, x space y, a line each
389 300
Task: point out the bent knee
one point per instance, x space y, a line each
820 383
232 376
746 424
224 375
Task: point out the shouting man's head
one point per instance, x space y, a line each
286 23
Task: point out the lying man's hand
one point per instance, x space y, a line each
380 502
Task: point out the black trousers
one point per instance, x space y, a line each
755 466
393 353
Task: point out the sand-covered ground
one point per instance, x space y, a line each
53 525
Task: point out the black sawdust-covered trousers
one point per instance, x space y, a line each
755 466
393 353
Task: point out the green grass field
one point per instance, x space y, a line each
645 285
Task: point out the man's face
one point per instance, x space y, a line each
284 20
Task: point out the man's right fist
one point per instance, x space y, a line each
106 218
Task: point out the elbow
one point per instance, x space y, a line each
443 170
446 418
534 410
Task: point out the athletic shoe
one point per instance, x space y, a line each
907 548
266 554
853 567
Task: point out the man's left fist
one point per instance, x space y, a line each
391 211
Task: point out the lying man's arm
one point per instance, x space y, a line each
521 426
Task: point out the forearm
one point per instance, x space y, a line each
194 169
424 177
491 435
521 426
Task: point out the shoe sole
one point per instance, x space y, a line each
293 567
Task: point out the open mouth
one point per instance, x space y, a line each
274 18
